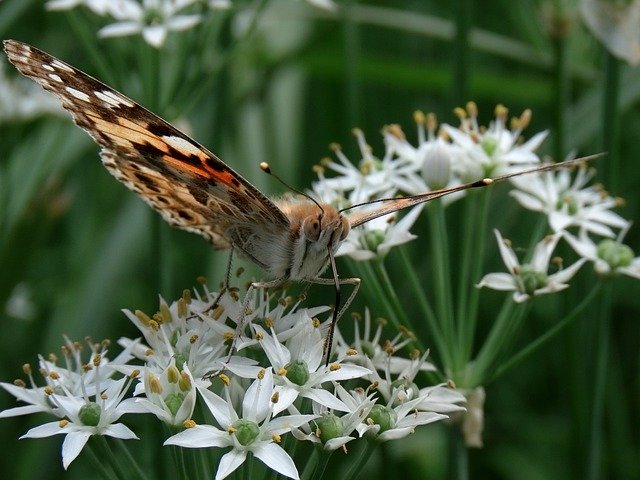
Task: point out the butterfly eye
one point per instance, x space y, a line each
311 228
346 228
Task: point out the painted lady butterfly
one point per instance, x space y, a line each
196 191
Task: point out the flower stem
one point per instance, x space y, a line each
499 340
474 234
419 294
98 464
547 336
442 278
461 51
611 121
131 461
310 465
561 80
365 455
603 333
321 465
110 457
458 455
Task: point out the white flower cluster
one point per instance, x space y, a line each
448 156
255 401
153 19
444 157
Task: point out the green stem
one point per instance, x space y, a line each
603 333
500 339
131 461
310 465
247 467
442 278
99 464
321 466
110 457
351 35
364 457
400 318
475 225
423 302
611 122
561 81
458 455
461 51
546 337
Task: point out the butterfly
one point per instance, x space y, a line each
192 189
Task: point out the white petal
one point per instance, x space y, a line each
229 463
120 29
274 457
498 281
508 257
155 35
73 445
45 430
527 201
286 396
119 430
182 22
566 274
200 436
323 397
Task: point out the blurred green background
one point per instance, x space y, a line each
76 246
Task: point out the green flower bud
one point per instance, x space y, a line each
532 280
246 431
297 372
174 402
90 414
329 426
614 253
383 416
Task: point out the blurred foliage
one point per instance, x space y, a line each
77 247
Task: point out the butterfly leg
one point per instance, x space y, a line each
339 309
241 321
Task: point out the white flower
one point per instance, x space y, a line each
492 151
569 203
608 256
365 349
255 431
616 25
333 431
87 417
170 394
99 7
397 419
154 19
301 371
532 279
375 238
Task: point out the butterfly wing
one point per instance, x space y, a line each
188 185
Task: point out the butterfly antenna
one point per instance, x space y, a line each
264 166
336 309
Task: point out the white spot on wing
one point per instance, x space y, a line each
182 145
48 67
78 94
113 99
55 77
58 64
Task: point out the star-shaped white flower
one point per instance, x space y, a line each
530 280
254 431
301 371
569 203
609 256
87 418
